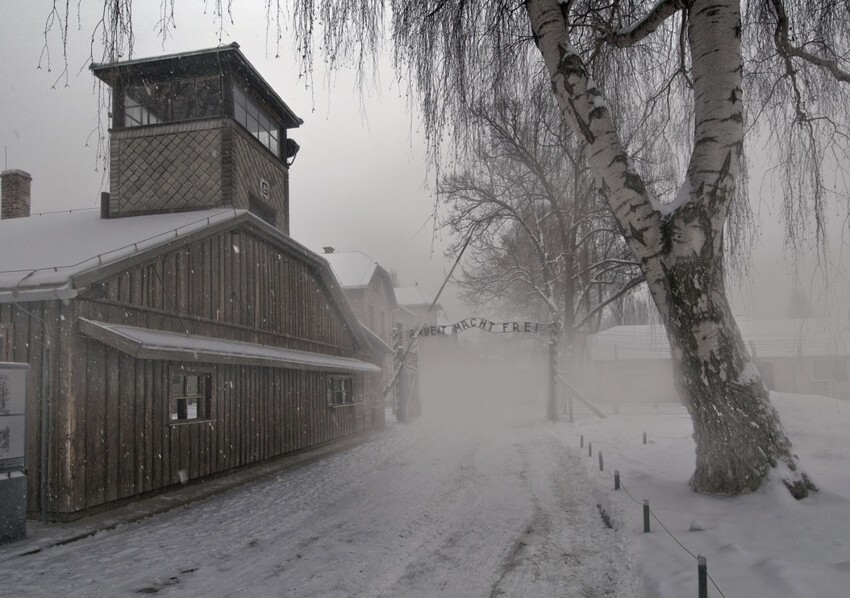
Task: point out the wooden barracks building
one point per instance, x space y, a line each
178 332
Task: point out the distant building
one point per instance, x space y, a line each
179 332
808 356
369 290
414 308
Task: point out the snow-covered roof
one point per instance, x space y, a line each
412 297
764 338
353 269
39 255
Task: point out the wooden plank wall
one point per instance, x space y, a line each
111 437
38 330
258 413
234 285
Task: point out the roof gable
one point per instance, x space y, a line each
55 255
356 270
353 269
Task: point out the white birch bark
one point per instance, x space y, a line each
738 435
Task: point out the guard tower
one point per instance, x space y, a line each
195 131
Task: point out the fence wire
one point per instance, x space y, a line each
664 527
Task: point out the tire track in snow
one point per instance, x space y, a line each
564 550
455 507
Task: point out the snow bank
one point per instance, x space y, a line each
764 544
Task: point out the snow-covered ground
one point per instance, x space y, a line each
497 505
764 544
453 506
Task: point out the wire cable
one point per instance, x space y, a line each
675 539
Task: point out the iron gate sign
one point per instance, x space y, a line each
13 395
481 324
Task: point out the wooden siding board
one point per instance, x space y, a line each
205 264
239 314
286 410
99 428
229 283
115 373
239 417
138 382
220 397
194 449
128 387
249 404
39 332
274 394
261 425
232 416
71 411
153 421
245 417
52 378
197 280
250 281
161 421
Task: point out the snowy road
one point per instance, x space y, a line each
442 507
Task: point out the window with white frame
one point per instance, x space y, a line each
340 391
190 396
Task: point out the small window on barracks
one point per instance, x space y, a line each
340 391
190 395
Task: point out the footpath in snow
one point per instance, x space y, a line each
456 505
486 501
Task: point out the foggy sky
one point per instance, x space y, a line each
359 181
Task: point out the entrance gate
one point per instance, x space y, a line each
410 355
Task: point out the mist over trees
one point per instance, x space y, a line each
543 243
656 93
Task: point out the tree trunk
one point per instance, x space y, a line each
738 434
739 439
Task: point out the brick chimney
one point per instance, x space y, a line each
14 194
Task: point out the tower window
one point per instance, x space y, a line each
256 120
169 101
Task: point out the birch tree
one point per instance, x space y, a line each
546 244
649 87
